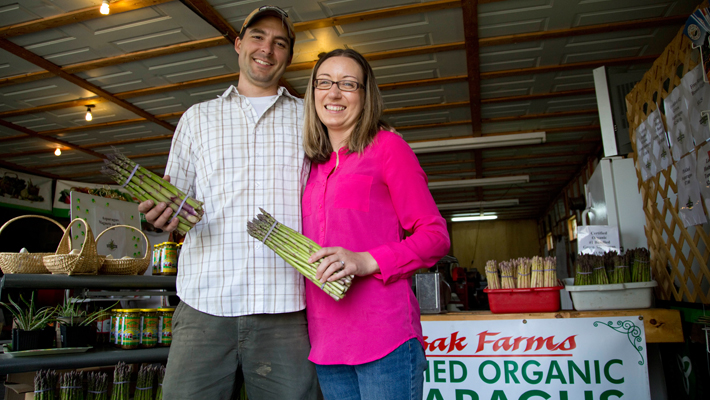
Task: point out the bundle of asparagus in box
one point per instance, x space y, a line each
97 386
641 268
524 270
621 272
507 274
144 386
599 271
146 185
295 249
549 272
537 272
121 381
492 275
70 386
45 384
583 270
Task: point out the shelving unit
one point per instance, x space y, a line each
100 356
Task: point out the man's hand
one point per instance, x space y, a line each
159 215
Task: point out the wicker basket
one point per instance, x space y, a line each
126 266
24 263
87 262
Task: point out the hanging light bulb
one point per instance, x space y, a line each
104 7
89 117
58 152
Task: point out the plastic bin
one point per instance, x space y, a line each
510 301
615 296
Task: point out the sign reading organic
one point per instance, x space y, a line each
559 359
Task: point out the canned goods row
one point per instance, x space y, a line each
132 328
165 258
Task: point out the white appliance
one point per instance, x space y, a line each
613 199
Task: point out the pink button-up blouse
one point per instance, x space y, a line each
366 204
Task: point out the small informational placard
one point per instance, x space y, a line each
101 213
676 106
690 208
62 194
25 191
644 148
567 358
698 94
661 152
703 171
597 239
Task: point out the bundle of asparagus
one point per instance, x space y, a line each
492 275
97 386
538 272
161 376
45 384
608 258
583 270
599 271
524 270
621 270
549 272
506 274
641 269
144 386
121 381
70 386
145 185
295 249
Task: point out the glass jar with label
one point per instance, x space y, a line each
149 327
116 323
168 262
165 326
103 328
130 338
156 258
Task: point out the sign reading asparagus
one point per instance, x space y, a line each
146 185
558 359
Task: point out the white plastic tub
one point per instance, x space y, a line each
617 296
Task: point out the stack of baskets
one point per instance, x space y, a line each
25 263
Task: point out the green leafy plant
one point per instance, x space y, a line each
29 318
70 313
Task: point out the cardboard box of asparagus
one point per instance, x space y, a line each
612 281
295 249
523 285
146 185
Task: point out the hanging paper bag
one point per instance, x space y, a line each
690 208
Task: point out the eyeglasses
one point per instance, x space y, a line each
274 8
345 86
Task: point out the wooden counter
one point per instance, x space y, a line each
661 325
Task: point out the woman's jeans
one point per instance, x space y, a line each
397 376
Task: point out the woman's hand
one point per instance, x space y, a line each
360 264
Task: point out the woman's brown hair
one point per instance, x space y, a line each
315 135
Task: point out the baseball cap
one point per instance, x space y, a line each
272 11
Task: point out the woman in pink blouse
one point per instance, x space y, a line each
365 190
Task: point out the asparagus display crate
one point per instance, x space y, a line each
508 301
615 296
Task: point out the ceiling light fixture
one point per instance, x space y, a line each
104 7
478 204
474 218
58 152
482 142
502 180
88 116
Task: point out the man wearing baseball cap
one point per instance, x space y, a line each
242 307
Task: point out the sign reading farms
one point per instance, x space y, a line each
557 359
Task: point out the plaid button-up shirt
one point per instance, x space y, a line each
235 162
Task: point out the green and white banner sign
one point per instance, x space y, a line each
536 359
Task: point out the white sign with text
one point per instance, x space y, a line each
561 359
598 239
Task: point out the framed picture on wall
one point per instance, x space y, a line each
550 242
572 228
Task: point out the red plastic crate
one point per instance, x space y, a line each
510 301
